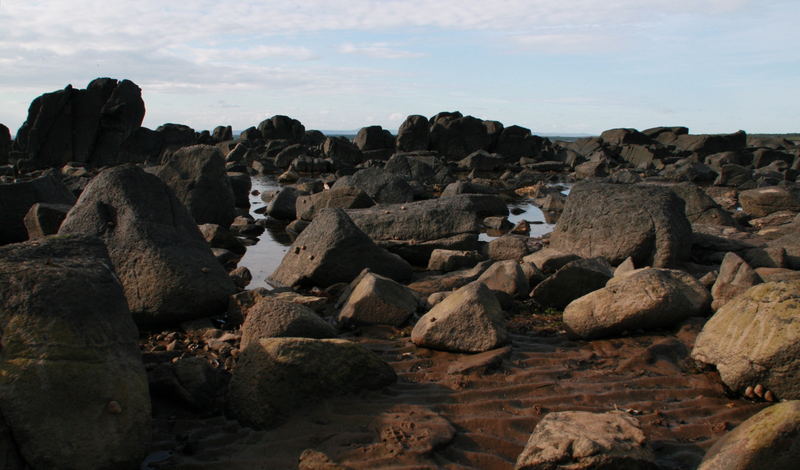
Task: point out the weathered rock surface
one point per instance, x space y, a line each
699 206
735 277
16 199
644 299
197 176
506 277
374 138
73 390
580 440
769 439
165 266
452 260
273 318
284 205
277 375
413 134
574 279
382 186
44 219
306 207
377 300
468 320
332 249
282 128
761 202
644 222
753 339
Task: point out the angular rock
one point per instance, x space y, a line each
452 260
5 144
197 176
761 202
283 205
645 299
373 138
383 187
735 277
752 339
549 260
457 136
413 134
273 318
510 246
377 300
769 439
580 440
166 268
468 320
574 279
240 186
16 199
644 222
44 219
332 249
343 153
73 390
449 281
506 277
276 375
699 206
307 207
282 128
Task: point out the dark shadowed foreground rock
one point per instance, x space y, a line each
574 279
579 440
332 249
44 219
16 200
197 176
272 318
163 262
644 299
768 440
761 202
278 374
379 300
468 320
73 389
753 339
644 222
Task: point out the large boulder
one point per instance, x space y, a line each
506 278
5 144
270 317
377 300
87 126
284 205
644 222
645 299
16 199
761 202
73 390
382 186
735 277
332 249
413 134
752 339
282 128
343 153
468 320
516 141
708 144
306 207
456 136
276 375
44 219
699 207
197 176
580 440
768 440
373 138
422 167
574 279
165 266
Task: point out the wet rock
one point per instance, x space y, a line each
735 277
276 375
377 300
44 219
644 222
761 202
73 390
574 279
752 339
18 198
332 249
768 439
468 320
166 268
645 299
270 317
581 440
197 176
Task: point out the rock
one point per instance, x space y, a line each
285 157
707 144
276 375
282 128
456 136
283 205
343 153
644 222
761 202
241 277
734 175
197 176
479 363
767 440
373 138
498 223
624 267
413 134
423 167
752 339
574 279
190 381
5 144
166 268
482 161
468 320
44 219
73 390
516 141
580 440
332 249
270 317
222 133
240 186
466 187
375 299
87 126
619 137
549 260
506 277
777 274
175 136
699 206
449 281
307 207
735 277
220 237
645 299
16 199
382 186
452 260
595 169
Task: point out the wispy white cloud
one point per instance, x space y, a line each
378 50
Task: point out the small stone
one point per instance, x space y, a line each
748 392
769 396
114 407
759 391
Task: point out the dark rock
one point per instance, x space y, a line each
343 153
240 186
413 134
620 137
644 222
5 144
189 381
220 237
466 187
289 154
16 199
516 141
377 300
481 160
761 202
699 206
241 277
382 186
449 281
374 138
197 176
174 136
44 219
573 280
283 205
307 207
332 249
707 144
549 260
457 137
73 391
222 133
763 157
163 263
421 167
144 146
510 246
505 278
452 260
734 175
283 128
273 318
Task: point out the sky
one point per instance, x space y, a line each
553 66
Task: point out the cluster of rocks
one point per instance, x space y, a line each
108 226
